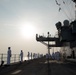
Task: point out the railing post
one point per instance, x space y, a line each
1 57
14 58
19 57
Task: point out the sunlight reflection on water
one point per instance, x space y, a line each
26 58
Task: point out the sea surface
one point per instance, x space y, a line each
13 59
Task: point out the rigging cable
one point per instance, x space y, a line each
60 8
68 9
73 7
64 11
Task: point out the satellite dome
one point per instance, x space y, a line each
66 23
58 25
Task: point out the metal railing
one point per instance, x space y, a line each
14 58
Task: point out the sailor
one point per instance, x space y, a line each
31 55
28 55
58 55
47 56
21 56
53 55
8 55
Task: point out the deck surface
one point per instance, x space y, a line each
40 67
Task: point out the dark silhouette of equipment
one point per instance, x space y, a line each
74 1
66 33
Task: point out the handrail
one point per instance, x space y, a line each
14 58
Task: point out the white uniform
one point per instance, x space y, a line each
57 55
31 55
53 56
21 56
28 55
8 56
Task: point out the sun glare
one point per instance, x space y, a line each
28 30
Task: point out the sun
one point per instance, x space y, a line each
27 30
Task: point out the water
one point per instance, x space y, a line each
26 58
14 58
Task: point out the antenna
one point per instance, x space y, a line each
75 7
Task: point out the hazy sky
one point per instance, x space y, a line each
42 15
